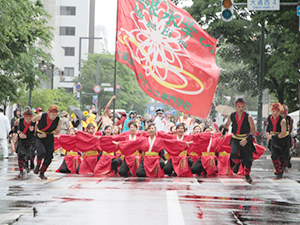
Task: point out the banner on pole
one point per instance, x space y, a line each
172 56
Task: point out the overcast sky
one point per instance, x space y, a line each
105 15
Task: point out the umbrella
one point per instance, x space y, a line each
224 109
78 112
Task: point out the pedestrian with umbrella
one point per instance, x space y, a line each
76 122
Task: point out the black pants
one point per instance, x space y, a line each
245 154
124 169
115 163
168 168
287 154
197 167
141 170
45 149
278 147
25 148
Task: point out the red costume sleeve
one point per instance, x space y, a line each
200 142
86 142
164 135
174 147
141 133
57 144
68 142
98 133
107 145
157 146
130 146
224 144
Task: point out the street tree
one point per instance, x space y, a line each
44 98
239 47
130 96
24 31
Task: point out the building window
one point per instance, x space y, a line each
69 90
69 51
68 10
70 31
69 71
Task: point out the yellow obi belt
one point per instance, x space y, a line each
223 153
167 156
240 136
208 153
43 132
136 153
151 153
193 154
106 153
183 153
274 133
72 153
91 153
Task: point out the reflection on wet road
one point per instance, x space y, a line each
77 199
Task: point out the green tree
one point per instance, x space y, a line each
239 47
24 30
131 96
44 98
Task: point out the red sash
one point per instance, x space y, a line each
274 123
49 123
26 127
239 122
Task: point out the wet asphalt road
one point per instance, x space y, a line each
77 199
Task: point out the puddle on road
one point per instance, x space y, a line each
68 199
17 191
24 204
248 209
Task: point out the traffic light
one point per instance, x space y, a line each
227 10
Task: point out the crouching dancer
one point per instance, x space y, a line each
48 124
241 142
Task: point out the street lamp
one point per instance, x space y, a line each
44 67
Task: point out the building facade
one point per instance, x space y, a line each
71 20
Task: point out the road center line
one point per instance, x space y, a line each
175 216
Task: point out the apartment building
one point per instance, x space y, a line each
71 20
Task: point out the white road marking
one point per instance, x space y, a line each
234 182
284 182
175 216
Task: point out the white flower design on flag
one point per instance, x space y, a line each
155 44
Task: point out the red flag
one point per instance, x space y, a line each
172 57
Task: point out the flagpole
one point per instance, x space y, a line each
115 69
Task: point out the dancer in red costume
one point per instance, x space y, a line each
88 143
72 159
178 161
204 155
152 164
48 125
243 130
109 161
132 160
